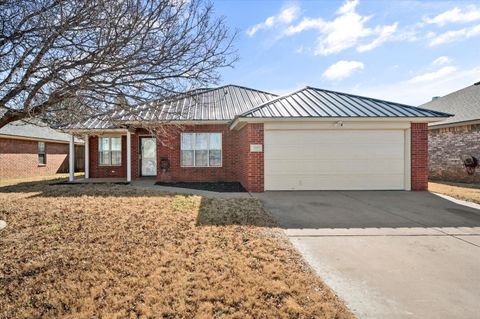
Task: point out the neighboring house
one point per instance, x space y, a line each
307 140
28 150
455 141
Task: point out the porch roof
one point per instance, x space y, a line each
213 104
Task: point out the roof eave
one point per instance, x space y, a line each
239 122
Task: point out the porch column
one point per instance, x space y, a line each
129 156
86 151
71 159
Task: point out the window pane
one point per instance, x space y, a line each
116 143
187 158
41 147
215 158
201 158
41 158
116 157
104 144
201 141
215 141
187 141
104 158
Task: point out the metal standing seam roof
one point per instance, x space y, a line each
464 103
314 102
215 104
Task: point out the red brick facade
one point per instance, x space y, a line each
169 147
251 167
19 158
419 156
97 170
238 163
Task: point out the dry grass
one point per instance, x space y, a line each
76 251
466 192
15 181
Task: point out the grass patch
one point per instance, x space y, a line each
117 251
468 192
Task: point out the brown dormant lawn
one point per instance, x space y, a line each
466 192
115 251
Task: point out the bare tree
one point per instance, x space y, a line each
67 60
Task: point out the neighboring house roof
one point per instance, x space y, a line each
40 131
464 104
314 102
215 104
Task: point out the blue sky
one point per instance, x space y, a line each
404 51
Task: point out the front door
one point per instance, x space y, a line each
148 156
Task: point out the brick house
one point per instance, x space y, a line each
309 139
28 150
456 139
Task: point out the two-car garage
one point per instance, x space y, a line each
335 156
317 139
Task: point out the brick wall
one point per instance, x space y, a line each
101 171
419 156
447 146
251 164
168 146
19 158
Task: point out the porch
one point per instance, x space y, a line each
113 156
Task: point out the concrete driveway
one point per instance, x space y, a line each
388 254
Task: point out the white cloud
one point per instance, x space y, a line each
456 15
455 35
442 60
385 34
416 93
430 76
285 16
342 69
345 31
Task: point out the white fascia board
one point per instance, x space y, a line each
237 121
46 140
94 131
173 122
452 124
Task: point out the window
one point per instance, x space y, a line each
42 159
201 150
110 151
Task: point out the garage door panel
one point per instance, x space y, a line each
345 166
325 151
342 182
334 159
312 136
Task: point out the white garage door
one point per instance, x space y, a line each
334 159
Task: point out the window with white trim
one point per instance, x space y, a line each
42 158
110 151
201 150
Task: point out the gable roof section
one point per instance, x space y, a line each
213 104
464 103
312 102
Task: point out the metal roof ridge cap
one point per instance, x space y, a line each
251 89
271 101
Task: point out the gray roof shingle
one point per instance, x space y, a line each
314 102
35 131
464 104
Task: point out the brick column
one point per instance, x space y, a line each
419 156
251 168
